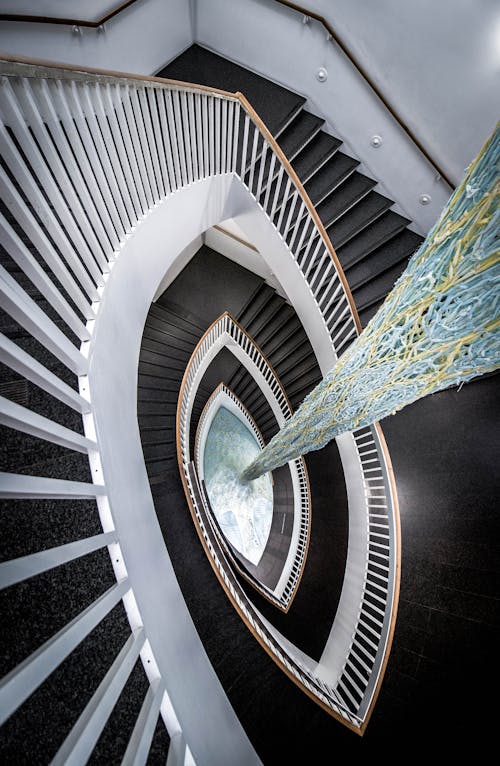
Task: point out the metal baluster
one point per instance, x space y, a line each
130 194
179 136
149 146
136 124
167 142
186 135
29 225
118 94
193 134
20 254
163 181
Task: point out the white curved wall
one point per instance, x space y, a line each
208 722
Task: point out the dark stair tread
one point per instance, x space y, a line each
161 314
344 197
297 397
308 162
336 170
358 218
289 345
146 381
166 436
298 134
369 313
159 395
178 347
253 309
308 375
295 357
266 316
275 105
305 367
385 257
170 357
153 452
378 288
315 155
372 237
161 409
179 315
280 320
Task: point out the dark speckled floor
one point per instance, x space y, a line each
445 455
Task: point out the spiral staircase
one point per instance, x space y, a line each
120 644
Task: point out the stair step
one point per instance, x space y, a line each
156 408
304 382
253 307
292 343
280 320
344 197
367 314
298 134
295 357
331 175
265 317
165 436
376 290
157 395
358 218
154 452
277 345
399 248
311 159
372 237
158 315
178 315
304 367
275 105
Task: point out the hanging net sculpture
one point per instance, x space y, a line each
439 326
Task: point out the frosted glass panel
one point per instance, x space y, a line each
243 510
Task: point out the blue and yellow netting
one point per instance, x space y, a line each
440 325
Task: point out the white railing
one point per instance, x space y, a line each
226 330
86 157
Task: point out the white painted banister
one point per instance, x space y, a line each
29 674
88 161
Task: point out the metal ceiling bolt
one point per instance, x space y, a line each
376 141
306 19
322 74
101 29
76 30
425 199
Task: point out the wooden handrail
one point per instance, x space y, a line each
256 119
305 197
293 6
363 72
62 68
180 398
397 566
25 17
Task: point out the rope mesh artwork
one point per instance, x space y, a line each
440 325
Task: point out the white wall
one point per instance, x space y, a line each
141 39
272 40
438 60
209 723
90 9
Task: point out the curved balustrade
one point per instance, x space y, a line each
86 158
226 331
